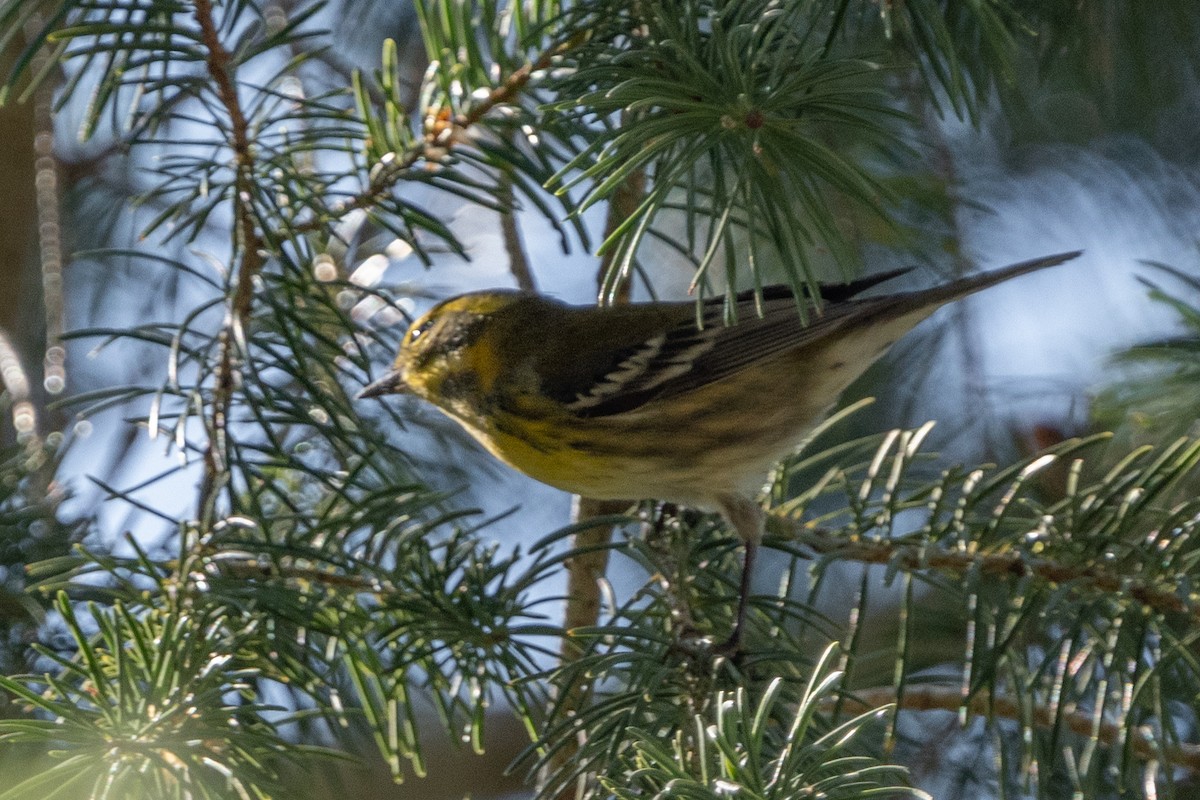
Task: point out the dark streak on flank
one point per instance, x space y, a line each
460 385
498 421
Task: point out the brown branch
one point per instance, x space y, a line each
442 134
221 67
1045 716
250 568
585 570
518 261
913 557
514 84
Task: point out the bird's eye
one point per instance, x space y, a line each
420 330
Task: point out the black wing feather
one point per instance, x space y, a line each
687 357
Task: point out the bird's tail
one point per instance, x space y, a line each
880 321
940 295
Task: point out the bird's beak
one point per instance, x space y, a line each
392 383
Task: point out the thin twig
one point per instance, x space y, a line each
250 568
518 260
441 135
913 557
1079 721
585 570
220 66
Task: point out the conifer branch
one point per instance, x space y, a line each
1081 722
510 231
442 134
913 557
251 568
221 67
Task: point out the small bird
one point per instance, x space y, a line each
658 400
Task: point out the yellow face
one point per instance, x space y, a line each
441 358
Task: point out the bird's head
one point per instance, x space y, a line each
449 354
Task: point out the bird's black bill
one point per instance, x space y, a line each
391 383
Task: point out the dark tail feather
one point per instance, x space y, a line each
833 293
939 295
892 316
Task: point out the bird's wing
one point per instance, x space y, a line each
644 371
685 356
680 356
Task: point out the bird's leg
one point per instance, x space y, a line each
746 516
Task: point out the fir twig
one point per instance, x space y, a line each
510 231
915 557
220 67
441 136
1047 717
255 569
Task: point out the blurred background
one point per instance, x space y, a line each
1098 150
